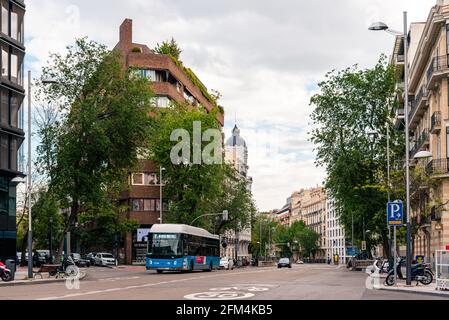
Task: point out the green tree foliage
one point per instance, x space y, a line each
351 106
289 240
102 123
197 189
46 215
170 48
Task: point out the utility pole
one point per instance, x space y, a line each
30 231
160 193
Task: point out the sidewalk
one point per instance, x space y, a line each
420 289
21 278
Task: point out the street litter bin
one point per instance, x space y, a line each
11 265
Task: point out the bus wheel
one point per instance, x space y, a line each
211 266
159 271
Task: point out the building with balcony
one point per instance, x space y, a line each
12 135
236 154
313 210
170 82
335 233
429 125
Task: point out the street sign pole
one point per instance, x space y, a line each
395 216
394 256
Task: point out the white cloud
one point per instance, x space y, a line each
263 56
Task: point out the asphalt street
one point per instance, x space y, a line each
302 282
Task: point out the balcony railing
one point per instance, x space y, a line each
416 103
439 63
435 122
420 142
438 166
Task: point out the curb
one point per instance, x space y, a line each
436 293
40 281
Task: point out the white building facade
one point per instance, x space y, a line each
236 154
336 240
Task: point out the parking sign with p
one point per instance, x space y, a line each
395 213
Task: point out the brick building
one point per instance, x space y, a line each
169 82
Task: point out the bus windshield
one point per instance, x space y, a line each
164 245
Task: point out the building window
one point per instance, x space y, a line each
162 102
5 18
5 62
447 142
148 205
4 107
137 179
4 152
138 205
17 67
17 15
147 179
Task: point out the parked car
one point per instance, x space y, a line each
91 257
79 261
226 263
284 263
105 259
19 257
41 257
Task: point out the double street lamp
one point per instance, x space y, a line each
380 26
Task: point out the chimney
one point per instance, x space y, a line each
126 33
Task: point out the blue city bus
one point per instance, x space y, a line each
178 247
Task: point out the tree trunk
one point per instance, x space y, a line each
386 244
23 250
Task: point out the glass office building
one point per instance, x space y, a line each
12 135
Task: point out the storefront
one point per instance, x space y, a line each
139 244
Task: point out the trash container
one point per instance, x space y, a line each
11 265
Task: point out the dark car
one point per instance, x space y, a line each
284 263
91 257
79 261
41 257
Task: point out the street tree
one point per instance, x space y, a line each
350 118
194 185
102 122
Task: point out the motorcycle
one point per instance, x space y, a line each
380 266
5 273
421 273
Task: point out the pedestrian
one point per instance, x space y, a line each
329 260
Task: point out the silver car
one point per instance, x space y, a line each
105 259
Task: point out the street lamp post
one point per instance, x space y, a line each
160 193
50 240
379 26
30 232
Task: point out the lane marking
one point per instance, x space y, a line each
80 294
224 295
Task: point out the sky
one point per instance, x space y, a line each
265 58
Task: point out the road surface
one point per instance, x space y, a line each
302 282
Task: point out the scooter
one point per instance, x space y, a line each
421 273
5 273
379 266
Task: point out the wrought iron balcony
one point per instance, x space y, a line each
417 105
435 122
438 167
423 139
437 68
